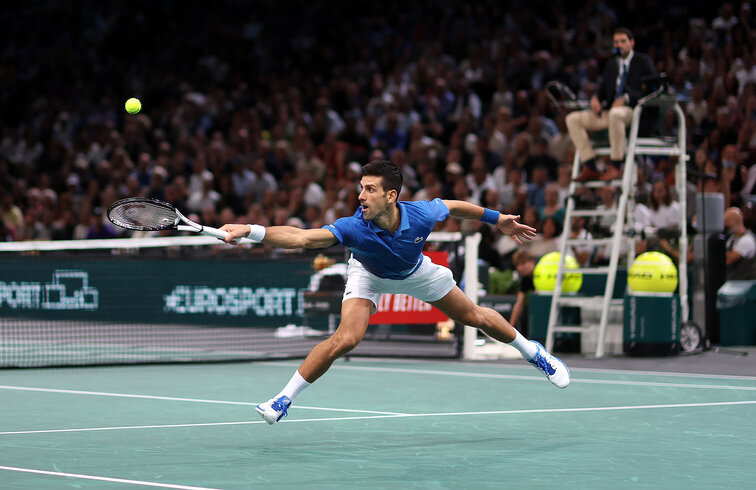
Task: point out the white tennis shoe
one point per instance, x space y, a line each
551 366
274 409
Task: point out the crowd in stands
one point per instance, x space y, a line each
265 113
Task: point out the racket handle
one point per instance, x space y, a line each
214 232
209 230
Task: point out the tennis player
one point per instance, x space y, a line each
386 238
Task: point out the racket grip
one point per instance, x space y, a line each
215 232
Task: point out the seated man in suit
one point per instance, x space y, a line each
611 107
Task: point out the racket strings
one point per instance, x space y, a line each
143 216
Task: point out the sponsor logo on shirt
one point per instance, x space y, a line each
418 239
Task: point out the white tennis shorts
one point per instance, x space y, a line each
430 282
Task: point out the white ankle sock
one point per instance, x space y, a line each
295 385
527 348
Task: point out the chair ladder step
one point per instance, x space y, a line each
587 300
651 150
598 183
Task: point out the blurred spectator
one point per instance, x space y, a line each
242 178
452 173
157 184
98 227
6 234
263 182
537 188
539 157
294 110
205 197
664 211
607 204
525 265
553 207
741 247
718 184
643 187
560 144
479 180
564 177
578 231
514 194
12 216
547 240
391 137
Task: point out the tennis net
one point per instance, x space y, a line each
185 299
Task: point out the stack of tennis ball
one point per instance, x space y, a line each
652 272
545 273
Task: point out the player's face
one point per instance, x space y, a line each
373 198
624 43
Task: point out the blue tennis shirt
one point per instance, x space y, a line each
385 254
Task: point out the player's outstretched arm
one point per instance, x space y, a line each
281 236
506 223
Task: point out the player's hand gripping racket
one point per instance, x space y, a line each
140 213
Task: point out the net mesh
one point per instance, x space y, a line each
188 299
142 215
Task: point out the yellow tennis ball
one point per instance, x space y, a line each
652 272
545 273
133 106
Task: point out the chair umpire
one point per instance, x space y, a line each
611 107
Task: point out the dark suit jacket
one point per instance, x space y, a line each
641 68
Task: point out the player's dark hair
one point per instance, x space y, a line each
625 31
388 171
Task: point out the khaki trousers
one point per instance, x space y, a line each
615 119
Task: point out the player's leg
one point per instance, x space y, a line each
355 314
457 306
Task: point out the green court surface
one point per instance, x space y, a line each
374 424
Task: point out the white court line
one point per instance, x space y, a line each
171 398
406 415
167 426
662 373
104 478
535 377
526 367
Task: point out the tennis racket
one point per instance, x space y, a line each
140 213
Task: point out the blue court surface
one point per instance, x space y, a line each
372 423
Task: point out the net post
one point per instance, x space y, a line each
471 290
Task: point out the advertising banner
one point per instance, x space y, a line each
146 290
139 290
403 309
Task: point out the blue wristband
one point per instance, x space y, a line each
490 216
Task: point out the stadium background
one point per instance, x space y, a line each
304 88
297 92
